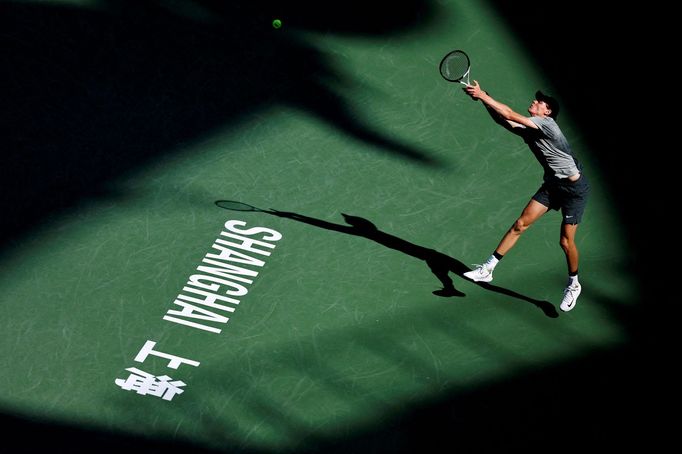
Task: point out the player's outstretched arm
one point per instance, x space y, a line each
514 119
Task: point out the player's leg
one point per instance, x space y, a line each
567 242
574 200
573 287
531 213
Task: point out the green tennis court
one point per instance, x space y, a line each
126 122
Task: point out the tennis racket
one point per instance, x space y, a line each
455 67
238 206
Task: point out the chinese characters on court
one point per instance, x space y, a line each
197 306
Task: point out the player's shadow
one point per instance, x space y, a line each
440 264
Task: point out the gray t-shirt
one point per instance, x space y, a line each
551 148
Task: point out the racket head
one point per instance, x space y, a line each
236 206
455 66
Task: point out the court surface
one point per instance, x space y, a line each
127 124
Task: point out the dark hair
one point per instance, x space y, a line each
552 103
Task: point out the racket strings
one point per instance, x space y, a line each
455 66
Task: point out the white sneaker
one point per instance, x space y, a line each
570 297
481 274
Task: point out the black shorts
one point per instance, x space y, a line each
570 196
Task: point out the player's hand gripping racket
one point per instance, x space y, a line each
455 67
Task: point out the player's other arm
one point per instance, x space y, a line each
511 126
503 111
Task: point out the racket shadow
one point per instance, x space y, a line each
440 264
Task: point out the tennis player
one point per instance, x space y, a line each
564 187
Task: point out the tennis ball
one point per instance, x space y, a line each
276 23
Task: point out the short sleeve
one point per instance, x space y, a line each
546 125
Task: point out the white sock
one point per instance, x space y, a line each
573 281
491 263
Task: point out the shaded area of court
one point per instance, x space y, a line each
543 408
94 92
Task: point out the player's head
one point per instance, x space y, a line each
544 105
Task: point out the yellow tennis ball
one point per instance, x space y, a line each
276 23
